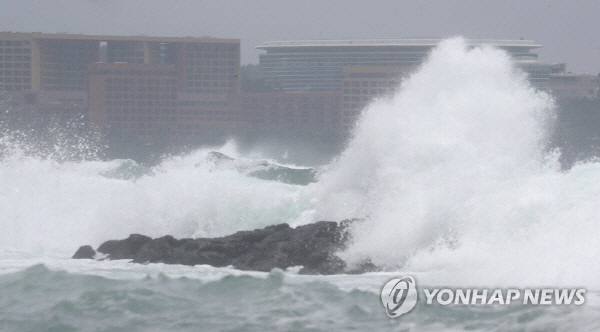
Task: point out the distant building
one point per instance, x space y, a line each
565 85
137 84
317 65
299 114
363 84
133 97
362 70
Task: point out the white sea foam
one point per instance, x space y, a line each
453 179
48 206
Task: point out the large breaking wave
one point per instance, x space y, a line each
454 178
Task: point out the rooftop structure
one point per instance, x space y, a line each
317 65
429 43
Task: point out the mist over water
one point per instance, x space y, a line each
451 175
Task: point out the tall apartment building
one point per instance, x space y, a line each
136 84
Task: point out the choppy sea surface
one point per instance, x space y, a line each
116 296
451 174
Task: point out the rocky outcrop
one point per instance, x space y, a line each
85 252
311 246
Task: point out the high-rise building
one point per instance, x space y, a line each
362 70
136 84
317 65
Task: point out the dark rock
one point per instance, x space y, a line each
85 252
124 249
311 246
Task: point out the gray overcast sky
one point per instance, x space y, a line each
568 30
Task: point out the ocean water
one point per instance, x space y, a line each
452 176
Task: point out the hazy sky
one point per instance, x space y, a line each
568 30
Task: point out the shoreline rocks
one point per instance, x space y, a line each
312 246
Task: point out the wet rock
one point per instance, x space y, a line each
124 249
311 246
85 252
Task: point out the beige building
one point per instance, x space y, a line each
129 83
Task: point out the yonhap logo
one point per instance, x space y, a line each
399 296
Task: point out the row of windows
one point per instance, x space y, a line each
15 58
17 79
138 89
341 55
358 84
133 72
340 62
291 99
371 75
210 47
228 59
366 98
58 74
65 66
150 111
210 70
290 113
207 91
14 87
326 121
139 95
12 50
367 92
222 78
131 103
17 65
214 84
140 118
69 56
259 106
189 126
17 43
128 88
218 63
125 53
201 103
75 84
196 112
206 118
165 87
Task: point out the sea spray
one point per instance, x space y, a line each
52 207
454 180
